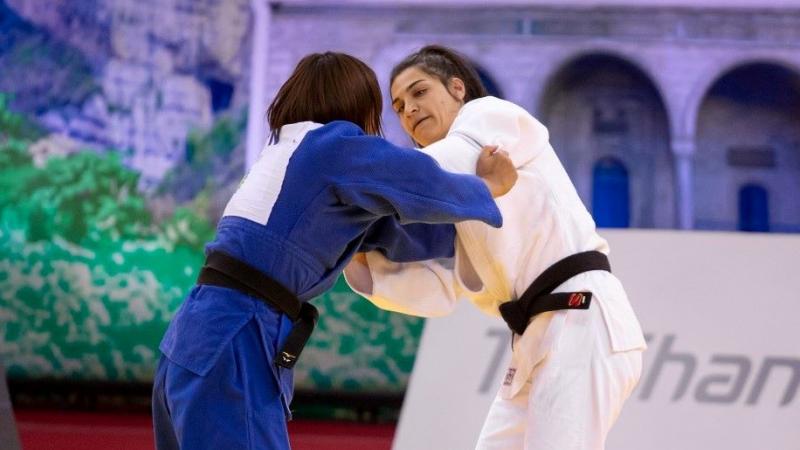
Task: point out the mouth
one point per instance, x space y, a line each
416 124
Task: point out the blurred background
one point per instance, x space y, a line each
125 126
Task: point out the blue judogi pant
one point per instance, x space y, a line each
236 404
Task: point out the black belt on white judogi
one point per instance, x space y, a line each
539 298
226 271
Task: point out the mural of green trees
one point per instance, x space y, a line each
89 279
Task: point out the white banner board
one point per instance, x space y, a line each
721 312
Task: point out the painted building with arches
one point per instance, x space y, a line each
664 116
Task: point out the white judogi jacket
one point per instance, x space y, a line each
544 221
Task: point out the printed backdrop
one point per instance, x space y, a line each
121 139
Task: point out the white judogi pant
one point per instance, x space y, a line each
572 397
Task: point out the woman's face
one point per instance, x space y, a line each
425 106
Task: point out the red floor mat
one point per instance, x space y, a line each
65 430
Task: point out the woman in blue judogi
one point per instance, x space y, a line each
323 191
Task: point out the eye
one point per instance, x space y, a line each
399 109
420 92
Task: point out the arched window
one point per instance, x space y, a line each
753 208
611 194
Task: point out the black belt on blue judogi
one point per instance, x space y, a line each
539 298
226 271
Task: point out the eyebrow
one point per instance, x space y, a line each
410 86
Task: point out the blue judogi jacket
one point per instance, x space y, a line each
313 199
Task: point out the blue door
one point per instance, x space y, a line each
753 208
611 194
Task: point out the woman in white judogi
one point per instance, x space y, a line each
571 370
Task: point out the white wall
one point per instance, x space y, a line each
722 317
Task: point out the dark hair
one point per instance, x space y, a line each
325 87
444 63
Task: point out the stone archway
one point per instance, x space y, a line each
748 132
599 106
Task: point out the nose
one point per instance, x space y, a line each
411 109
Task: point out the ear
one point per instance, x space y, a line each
456 88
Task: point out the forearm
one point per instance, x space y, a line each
425 289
